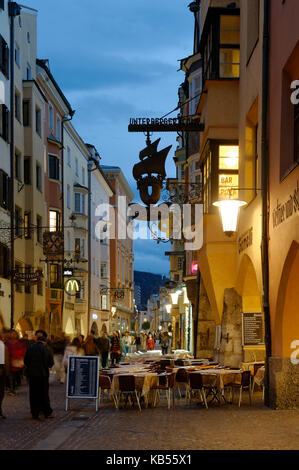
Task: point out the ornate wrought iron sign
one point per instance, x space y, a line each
27 277
179 124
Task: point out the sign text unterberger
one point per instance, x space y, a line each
285 210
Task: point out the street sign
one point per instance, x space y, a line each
83 378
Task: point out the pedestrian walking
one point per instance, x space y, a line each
138 342
164 341
115 354
72 349
58 348
143 339
17 350
150 342
103 344
4 371
126 342
38 360
90 347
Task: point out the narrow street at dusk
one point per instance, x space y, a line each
187 427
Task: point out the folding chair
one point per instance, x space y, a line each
127 389
245 384
195 383
105 384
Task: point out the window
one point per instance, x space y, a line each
54 220
27 225
39 229
4 57
68 197
18 221
51 117
55 276
77 167
27 170
180 263
207 180
83 176
38 177
53 167
228 177
4 261
77 246
4 191
2 4
18 158
229 46
253 20
38 121
68 242
28 37
17 55
18 268
220 46
104 303
4 122
58 128
26 113
18 106
28 72
69 156
79 203
104 272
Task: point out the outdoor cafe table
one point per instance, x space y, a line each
143 379
218 377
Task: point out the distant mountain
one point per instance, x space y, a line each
149 284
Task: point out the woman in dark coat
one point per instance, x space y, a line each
115 348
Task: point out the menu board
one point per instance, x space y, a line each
253 329
83 377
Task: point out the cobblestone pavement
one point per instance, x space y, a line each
188 427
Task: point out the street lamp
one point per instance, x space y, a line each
168 308
229 210
174 297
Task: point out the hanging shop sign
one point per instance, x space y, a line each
165 125
68 272
72 287
27 277
53 243
253 329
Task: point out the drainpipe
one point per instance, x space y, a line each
64 120
265 195
13 10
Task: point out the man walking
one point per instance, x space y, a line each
38 360
104 347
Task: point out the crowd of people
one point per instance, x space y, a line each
21 357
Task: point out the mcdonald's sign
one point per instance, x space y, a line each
72 287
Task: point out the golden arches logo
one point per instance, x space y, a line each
72 286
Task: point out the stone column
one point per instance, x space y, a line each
231 351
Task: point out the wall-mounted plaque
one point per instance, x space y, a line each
253 329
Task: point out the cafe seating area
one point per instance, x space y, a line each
179 379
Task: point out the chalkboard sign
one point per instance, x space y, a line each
253 329
82 377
